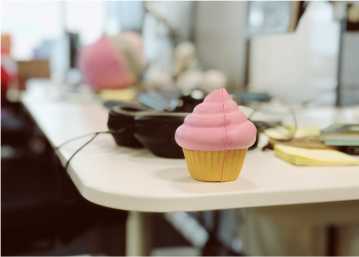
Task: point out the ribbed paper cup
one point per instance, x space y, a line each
216 166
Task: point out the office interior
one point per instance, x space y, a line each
175 128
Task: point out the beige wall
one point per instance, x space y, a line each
351 57
298 65
220 30
303 65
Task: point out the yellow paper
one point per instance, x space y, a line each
282 133
313 157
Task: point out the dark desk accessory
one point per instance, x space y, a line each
137 127
154 129
156 132
122 119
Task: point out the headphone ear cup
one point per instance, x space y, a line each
122 121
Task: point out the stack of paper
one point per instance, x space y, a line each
341 135
313 157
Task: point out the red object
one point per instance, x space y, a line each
6 78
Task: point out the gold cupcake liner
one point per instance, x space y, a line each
215 165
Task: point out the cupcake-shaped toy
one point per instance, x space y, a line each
215 138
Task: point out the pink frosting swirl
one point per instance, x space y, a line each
216 124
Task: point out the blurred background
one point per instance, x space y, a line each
272 47
305 53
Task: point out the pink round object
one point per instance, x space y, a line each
104 67
217 124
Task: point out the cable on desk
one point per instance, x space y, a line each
80 148
79 137
93 134
292 114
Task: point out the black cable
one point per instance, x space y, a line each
94 135
80 148
79 137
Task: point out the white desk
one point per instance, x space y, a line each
128 179
136 180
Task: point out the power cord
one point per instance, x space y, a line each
92 138
82 136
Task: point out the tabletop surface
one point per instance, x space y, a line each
129 179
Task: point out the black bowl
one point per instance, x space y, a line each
157 133
121 120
